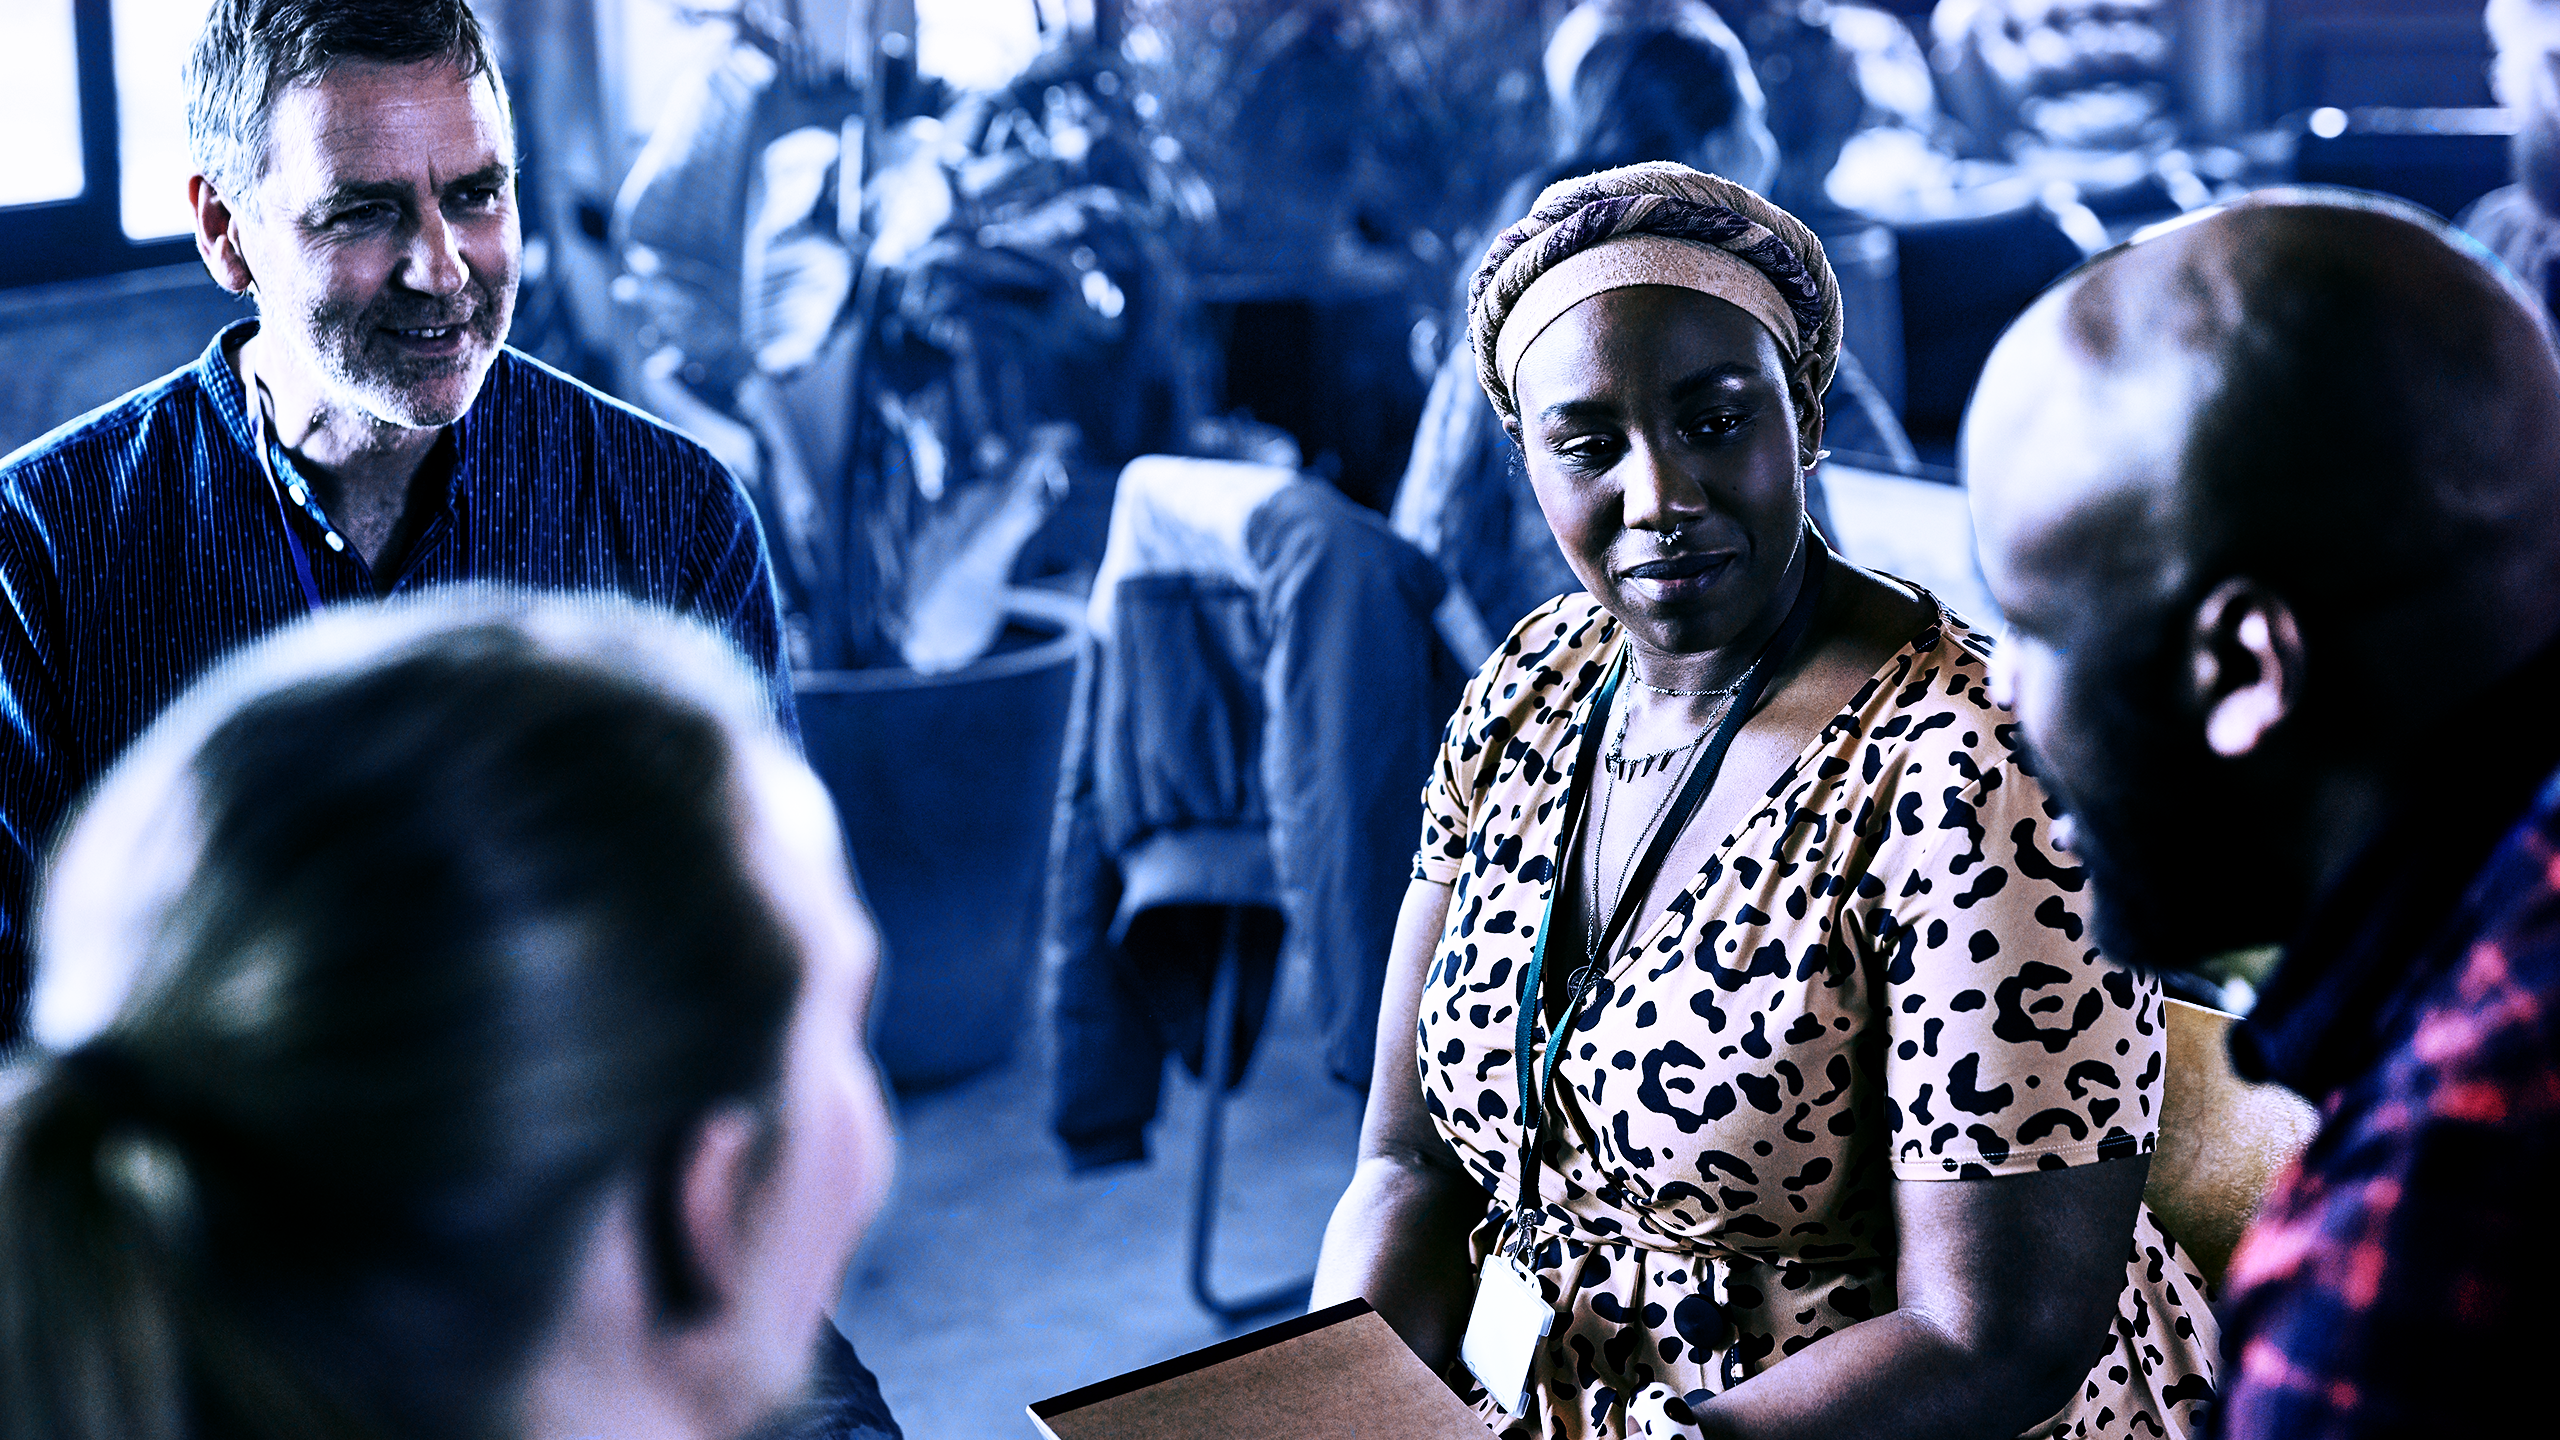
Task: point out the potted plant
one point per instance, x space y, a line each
930 335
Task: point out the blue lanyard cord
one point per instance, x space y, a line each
1525 1033
1535 1102
262 424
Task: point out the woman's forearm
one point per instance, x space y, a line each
1398 1237
1399 1234
1897 1375
2006 1291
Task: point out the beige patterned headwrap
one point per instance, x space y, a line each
1658 224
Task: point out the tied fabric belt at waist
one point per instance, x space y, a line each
1698 1316
1561 1225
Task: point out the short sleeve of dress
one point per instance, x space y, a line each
1447 797
1472 742
2011 1045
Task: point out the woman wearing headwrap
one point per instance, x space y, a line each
1620 90
1760 1077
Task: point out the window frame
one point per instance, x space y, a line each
82 237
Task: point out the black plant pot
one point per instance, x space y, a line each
946 783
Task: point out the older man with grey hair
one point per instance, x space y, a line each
2272 505
368 433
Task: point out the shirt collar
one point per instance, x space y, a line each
219 379
2383 927
222 389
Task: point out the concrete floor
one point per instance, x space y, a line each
994 1279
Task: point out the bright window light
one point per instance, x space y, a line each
979 44
152 41
656 47
39 103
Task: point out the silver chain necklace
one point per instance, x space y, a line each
1596 920
1722 691
1637 767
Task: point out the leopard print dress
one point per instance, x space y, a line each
1883 975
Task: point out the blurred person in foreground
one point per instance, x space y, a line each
2521 222
449 1025
1741 1022
368 433
2272 504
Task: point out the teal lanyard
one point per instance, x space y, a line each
1536 1101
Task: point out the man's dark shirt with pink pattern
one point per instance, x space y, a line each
2404 1276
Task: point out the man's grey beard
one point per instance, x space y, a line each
343 335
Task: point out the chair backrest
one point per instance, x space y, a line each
2222 1142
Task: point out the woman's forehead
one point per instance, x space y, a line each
1644 340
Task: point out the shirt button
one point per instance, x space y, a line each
295 494
335 543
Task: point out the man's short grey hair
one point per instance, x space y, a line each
253 50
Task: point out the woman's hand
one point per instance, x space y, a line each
2006 1291
1399 1234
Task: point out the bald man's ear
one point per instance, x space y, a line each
2244 664
218 236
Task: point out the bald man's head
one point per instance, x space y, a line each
2237 488
2333 398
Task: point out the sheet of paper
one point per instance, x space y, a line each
1339 1371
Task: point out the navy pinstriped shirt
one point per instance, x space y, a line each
140 543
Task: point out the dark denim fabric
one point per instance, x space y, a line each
1304 704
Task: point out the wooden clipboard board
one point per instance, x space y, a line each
1339 1371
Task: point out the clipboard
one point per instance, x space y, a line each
1339 1371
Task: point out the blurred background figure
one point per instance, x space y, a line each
2087 73
490 1066
1632 81
1851 98
1835 73
2518 222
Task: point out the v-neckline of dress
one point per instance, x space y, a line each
1935 627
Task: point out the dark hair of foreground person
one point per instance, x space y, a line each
393 958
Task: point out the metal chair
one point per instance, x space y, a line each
1175 881
1183 779
1220 1037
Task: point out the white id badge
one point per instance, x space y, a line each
1510 1317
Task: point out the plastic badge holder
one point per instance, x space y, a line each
1510 1318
